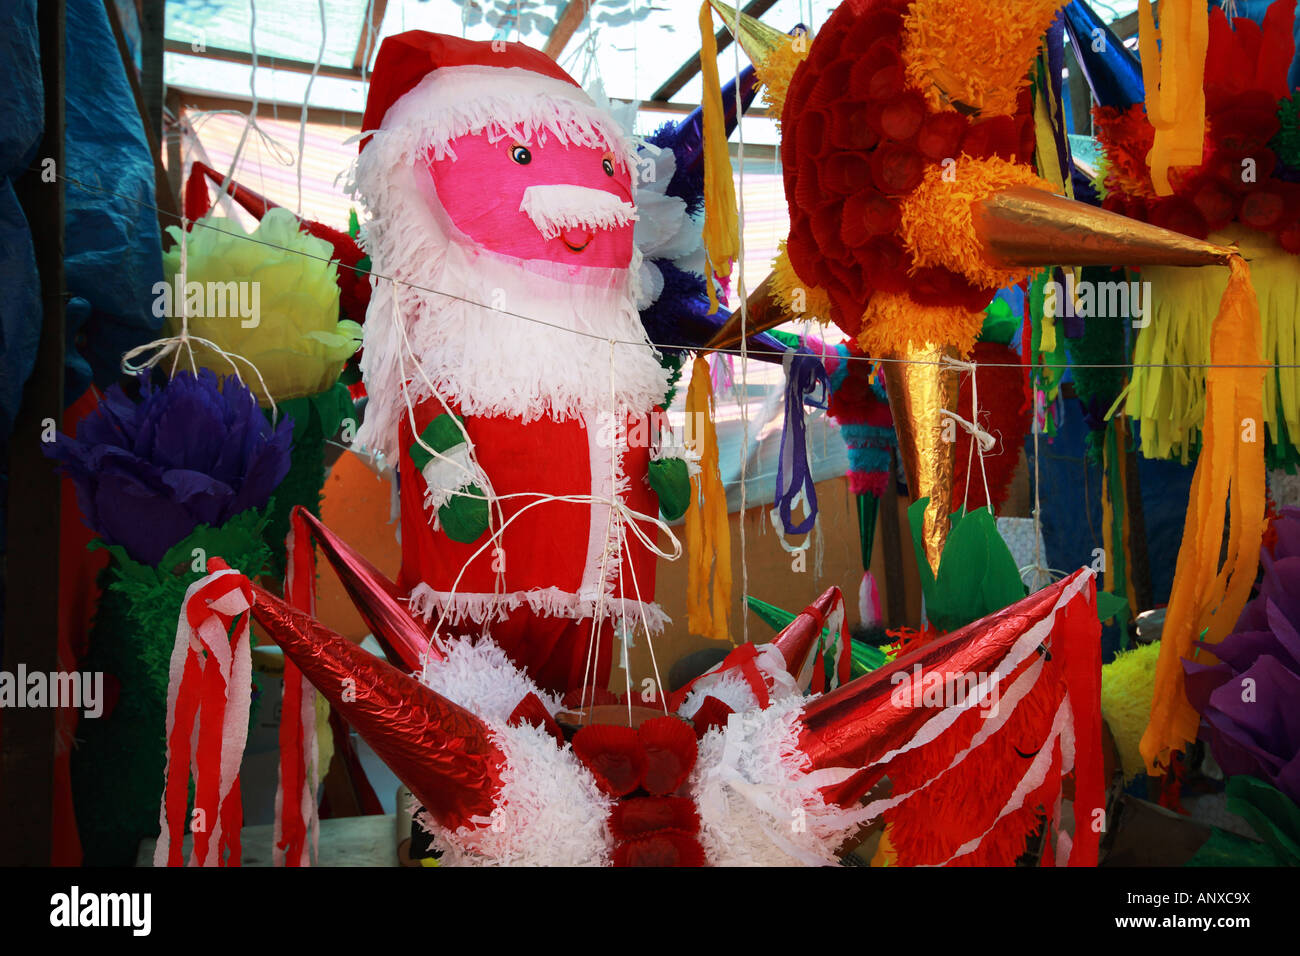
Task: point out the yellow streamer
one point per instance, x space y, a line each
1174 74
721 233
1207 597
708 531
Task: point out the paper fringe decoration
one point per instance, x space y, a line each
208 700
1230 472
1174 75
721 229
938 225
977 60
708 529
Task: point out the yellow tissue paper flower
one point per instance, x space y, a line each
270 296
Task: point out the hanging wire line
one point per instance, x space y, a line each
306 98
742 295
880 360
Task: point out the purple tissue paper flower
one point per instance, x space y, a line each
196 451
1248 701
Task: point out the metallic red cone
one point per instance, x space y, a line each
438 749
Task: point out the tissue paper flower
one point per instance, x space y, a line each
194 452
1247 701
273 300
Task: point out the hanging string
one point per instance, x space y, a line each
980 439
742 293
306 98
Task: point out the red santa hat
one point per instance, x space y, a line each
446 86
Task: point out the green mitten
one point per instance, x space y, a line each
440 435
465 518
672 483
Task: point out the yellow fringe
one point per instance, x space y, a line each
1170 402
721 230
1173 72
893 324
937 222
799 299
777 70
708 530
1206 597
981 60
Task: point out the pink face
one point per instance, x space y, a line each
482 189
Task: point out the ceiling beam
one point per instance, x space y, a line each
565 27
370 27
686 72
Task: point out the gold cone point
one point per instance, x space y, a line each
921 386
756 38
1022 226
762 312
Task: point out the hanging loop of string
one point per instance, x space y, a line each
980 439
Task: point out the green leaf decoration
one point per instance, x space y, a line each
1273 814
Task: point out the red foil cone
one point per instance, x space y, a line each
438 749
859 723
375 597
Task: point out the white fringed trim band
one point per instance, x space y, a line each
484 608
467 100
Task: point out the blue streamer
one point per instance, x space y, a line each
806 383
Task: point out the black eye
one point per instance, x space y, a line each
608 165
521 155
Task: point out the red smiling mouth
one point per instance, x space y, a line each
577 239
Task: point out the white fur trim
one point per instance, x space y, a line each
758 803
549 810
503 101
484 608
479 676
556 207
447 473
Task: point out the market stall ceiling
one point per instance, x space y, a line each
631 46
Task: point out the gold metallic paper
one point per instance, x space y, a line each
756 38
762 312
920 387
1021 226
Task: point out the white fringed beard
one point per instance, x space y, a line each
460 317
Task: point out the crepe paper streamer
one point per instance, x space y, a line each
1229 473
805 384
721 229
1174 73
296 813
1167 400
708 529
1052 148
208 699
1115 524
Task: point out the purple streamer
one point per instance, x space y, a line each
806 383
